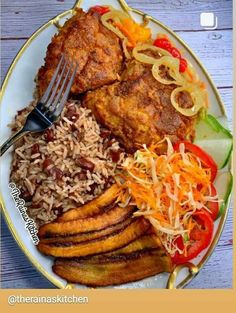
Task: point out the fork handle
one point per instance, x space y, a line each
7 144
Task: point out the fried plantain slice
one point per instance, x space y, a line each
105 244
150 241
115 270
93 207
89 235
97 222
146 241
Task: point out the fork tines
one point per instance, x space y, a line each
55 97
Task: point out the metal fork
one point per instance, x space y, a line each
49 107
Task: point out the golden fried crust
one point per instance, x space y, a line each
96 206
138 110
144 242
88 236
98 222
97 50
116 240
114 270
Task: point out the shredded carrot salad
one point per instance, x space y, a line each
167 190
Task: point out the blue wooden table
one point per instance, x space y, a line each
20 18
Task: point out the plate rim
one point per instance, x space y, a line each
55 21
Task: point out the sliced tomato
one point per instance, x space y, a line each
212 205
100 9
163 43
175 53
182 65
200 238
201 154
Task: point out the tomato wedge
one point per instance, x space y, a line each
183 64
163 43
201 154
175 53
100 9
200 238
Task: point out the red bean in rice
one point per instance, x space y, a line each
66 166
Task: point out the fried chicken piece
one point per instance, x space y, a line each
96 49
138 109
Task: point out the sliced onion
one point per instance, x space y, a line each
173 69
113 15
190 74
125 50
197 95
116 16
141 57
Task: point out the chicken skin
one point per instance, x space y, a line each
138 109
96 49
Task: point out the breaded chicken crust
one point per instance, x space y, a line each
96 49
138 109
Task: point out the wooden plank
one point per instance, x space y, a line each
9 49
22 18
217 273
208 46
185 15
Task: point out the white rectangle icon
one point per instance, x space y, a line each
208 20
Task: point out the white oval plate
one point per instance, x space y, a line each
17 92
